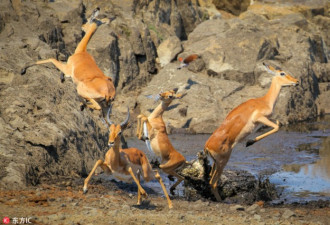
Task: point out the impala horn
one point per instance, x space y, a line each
108 115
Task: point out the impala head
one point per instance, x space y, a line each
115 130
283 78
168 96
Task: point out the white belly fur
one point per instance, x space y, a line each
155 146
247 129
127 178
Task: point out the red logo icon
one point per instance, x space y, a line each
6 220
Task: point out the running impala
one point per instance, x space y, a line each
152 129
241 121
92 84
126 164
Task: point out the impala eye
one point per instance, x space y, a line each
282 73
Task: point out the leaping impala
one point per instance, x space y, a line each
126 164
92 84
153 129
241 121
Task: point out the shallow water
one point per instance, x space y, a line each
296 159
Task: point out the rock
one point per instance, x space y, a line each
233 50
192 85
235 7
253 207
321 71
323 100
235 186
237 208
197 65
257 217
287 214
126 207
168 50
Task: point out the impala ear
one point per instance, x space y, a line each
180 95
270 69
149 96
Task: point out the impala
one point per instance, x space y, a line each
152 129
92 84
241 121
126 164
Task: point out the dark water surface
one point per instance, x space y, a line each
296 159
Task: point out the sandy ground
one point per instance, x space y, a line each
111 202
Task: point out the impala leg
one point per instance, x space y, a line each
63 67
158 177
180 179
97 164
169 168
212 170
139 192
267 122
90 28
139 126
141 120
84 91
93 104
143 192
214 184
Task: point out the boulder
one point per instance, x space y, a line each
168 50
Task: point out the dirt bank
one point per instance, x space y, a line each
108 203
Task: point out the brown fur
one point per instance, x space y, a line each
91 82
160 143
126 163
240 122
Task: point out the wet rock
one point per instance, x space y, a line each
235 186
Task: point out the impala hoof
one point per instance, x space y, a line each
144 194
250 142
82 106
95 13
172 191
85 190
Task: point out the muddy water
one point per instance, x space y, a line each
296 159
